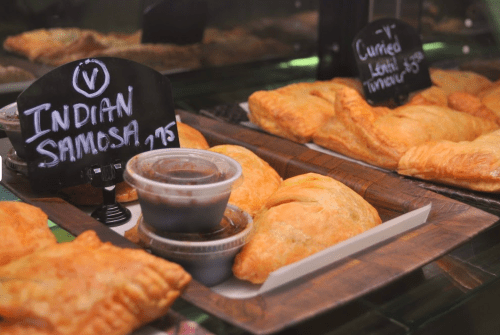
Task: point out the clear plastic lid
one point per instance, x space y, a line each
9 118
219 239
183 172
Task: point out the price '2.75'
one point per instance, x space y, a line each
163 133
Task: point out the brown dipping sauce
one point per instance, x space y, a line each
189 177
226 228
183 171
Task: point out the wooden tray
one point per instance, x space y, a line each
450 224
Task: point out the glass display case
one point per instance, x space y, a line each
247 46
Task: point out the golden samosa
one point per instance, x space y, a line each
24 229
473 165
380 136
260 180
86 287
308 213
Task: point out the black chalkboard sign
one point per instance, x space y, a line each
390 60
83 121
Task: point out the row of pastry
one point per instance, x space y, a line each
58 46
446 133
89 287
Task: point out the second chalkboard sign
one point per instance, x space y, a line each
84 120
390 60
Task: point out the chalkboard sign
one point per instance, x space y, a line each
390 60
84 120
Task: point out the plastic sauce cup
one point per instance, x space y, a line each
209 259
183 190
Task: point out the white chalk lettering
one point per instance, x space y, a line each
383 67
57 121
132 129
387 31
78 120
386 82
121 105
36 121
90 82
160 133
163 133
377 50
82 115
85 142
171 135
100 137
386 73
40 149
113 132
106 107
73 149
66 147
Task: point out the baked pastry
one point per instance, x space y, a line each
381 136
296 111
24 228
86 287
58 46
307 214
473 165
260 180
133 235
471 104
457 80
490 98
11 74
433 95
190 137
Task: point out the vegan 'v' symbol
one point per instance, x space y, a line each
90 82
91 90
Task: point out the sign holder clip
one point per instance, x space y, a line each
111 213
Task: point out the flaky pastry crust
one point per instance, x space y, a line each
24 229
190 137
9 74
86 287
471 104
260 180
296 111
433 95
491 98
459 81
380 136
473 165
58 46
308 213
